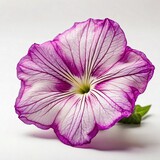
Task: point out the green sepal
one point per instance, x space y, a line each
136 116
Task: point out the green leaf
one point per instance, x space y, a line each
136 116
142 110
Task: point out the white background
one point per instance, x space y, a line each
24 22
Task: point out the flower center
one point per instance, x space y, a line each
81 86
84 88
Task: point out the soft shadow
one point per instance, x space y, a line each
43 134
120 137
147 116
130 125
117 138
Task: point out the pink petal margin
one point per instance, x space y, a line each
98 49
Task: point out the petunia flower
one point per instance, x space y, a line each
84 80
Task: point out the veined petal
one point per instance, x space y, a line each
133 63
126 79
41 108
45 57
106 111
75 125
91 47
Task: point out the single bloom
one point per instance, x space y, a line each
84 80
